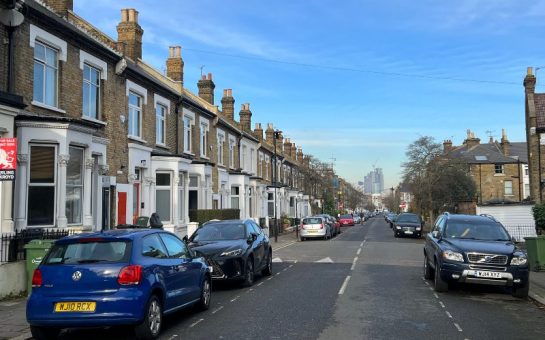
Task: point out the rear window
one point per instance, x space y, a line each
312 220
346 216
89 252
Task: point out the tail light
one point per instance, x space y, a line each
130 275
302 226
322 226
37 278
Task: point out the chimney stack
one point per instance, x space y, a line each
293 152
504 143
471 140
258 131
300 155
175 64
287 147
61 7
129 34
228 104
269 133
529 81
447 146
206 88
245 117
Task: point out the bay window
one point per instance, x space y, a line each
41 185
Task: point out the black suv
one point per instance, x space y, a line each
474 249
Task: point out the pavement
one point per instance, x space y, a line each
13 323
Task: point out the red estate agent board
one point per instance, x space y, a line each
8 158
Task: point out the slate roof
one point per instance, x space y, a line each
539 100
490 153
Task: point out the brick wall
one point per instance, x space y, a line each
3 59
491 184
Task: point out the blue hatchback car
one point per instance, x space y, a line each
117 277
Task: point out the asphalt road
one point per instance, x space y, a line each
363 284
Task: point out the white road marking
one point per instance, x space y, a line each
284 269
195 323
458 327
345 283
436 296
172 337
277 274
427 283
235 298
260 284
270 278
359 251
355 259
448 314
285 246
430 288
217 309
291 265
353 266
442 304
361 244
325 260
277 260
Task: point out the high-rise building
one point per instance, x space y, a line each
373 182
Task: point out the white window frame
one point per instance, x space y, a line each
160 124
204 129
98 87
46 66
232 145
181 195
267 162
138 110
165 188
233 196
81 186
54 184
161 102
508 190
220 135
243 158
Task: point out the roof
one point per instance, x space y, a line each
114 233
464 217
490 153
539 101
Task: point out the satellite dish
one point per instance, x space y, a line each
11 17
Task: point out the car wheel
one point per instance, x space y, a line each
151 326
521 291
249 274
302 238
44 333
267 271
428 272
206 293
396 235
439 284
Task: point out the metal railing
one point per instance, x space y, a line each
519 232
12 245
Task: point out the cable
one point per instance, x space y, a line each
340 68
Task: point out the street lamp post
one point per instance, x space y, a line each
275 179
297 218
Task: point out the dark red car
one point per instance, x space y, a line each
346 220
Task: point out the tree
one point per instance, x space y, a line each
438 182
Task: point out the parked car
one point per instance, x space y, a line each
236 249
117 277
315 227
474 249
357 219
333 223
392 219
407 224
346 220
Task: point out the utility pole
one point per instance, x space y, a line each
275 183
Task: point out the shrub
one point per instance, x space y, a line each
539 217
205 215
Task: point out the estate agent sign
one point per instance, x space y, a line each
8 158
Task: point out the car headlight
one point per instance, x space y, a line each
398 227
453 256
519 261
417 228
235 252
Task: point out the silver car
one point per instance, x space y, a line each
314 227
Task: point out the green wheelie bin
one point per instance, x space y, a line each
535 249
35 252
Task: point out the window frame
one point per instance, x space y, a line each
220 144
98 87
508 190
75 186
45 65
53 184
138 109
235 196
204 129
167 188
160 121
499 169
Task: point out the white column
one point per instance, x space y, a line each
175 199
87 204
186 196
21 192
6 190
152 208
62 221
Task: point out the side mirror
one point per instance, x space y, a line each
436 234
252 238
186 239
513 239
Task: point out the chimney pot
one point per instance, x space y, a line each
203 77
129 34
530 71
175 64
209 76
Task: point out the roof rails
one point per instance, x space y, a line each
489 216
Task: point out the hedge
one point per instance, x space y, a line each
205 215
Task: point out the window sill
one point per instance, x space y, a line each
48 107
161 145
136 138
499 175
189 153
204 157
94 120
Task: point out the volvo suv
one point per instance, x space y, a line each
474 249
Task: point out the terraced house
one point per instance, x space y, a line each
104 138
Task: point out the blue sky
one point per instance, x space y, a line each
357 81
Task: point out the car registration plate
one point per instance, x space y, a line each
493 275
87 307
408 232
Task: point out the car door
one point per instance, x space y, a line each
189 271
256 245
432 243
155 255
262 246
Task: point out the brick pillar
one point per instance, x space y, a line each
258 131
61 7
129 34
532 137
175 64
245 117
206 88
228 104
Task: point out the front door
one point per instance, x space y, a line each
121 208
106 208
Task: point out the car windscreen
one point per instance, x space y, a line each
89 252
408 219
220 231
346 216
488 231
312 220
